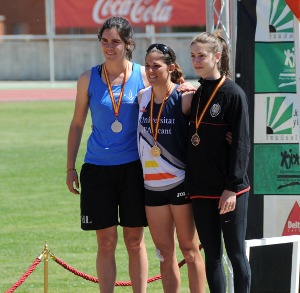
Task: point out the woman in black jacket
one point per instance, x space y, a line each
216 174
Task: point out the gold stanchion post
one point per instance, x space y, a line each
46 261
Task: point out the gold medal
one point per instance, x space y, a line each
116 126
195 139
155 151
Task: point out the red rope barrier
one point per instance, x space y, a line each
25 275
76 272
81 274
95 280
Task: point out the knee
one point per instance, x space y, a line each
134 243
189 255
107 244
238 261
165 254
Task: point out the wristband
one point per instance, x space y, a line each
71 169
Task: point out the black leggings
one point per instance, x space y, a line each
210 225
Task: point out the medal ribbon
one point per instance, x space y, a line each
111 94
198 121
155 133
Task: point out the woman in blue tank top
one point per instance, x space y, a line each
111 180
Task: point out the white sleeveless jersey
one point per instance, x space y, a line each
167 170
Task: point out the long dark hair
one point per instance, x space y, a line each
125 31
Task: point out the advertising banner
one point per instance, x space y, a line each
287 209
274 21
275 67
92 13
271 56
276 110
276 118
277 169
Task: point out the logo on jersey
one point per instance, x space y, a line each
215 110
130 96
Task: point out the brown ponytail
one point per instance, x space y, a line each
217 44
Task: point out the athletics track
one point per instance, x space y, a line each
37 91
20 91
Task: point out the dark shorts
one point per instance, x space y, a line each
112 195
174 196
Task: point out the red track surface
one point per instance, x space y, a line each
37 95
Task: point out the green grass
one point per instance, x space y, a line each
37 207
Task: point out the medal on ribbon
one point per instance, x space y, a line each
116 126
195 140
155 150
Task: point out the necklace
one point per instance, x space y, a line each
116 126
195 137
155 150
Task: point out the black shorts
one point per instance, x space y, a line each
112 195
174 196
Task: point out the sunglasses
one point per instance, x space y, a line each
162 48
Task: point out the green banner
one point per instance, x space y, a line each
276 169
275 70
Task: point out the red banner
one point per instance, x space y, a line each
92 13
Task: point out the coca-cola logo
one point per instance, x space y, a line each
136 11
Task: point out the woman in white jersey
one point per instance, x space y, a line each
162 140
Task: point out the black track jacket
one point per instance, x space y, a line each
214 165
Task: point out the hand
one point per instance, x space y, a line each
186 87
227 202
72 178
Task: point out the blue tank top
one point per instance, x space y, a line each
167 170
105 147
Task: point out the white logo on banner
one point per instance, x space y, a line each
289 71
136 10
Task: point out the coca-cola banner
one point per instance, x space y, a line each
92 13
